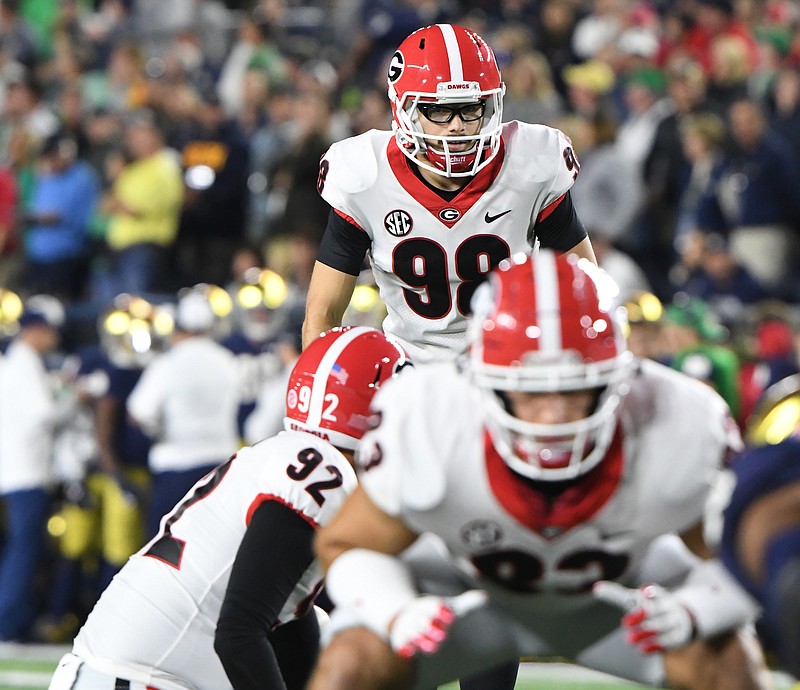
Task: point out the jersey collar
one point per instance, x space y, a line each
426 196
575 505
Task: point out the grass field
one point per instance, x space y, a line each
30 666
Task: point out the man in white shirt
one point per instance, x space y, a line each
186 400
28 414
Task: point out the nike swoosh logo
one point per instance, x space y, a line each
492 219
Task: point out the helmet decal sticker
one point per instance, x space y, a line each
396 66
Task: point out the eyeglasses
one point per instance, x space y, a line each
442 114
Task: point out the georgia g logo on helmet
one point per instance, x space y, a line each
396 66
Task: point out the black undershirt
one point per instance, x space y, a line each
344 245
276 550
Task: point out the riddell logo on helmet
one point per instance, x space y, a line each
314 432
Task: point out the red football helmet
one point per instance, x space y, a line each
548 323
447 65
334 380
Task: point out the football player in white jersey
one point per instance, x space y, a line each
559 472
442 199
222 597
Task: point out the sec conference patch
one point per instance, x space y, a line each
398 223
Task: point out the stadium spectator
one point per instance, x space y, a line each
29 414
253 49
380 28
599 30
449 162
769 355
119 85
293 175
9 205
231 577
534 435
553 29
26 108
723 282
695 344
606 198
708 21
103 134
701 138
667 165
753 202
643 92
17 40
785 107
143 206
186 401
530 93
212 223
65 192
588 86
268 145
607 193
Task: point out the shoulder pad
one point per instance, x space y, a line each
538 156
353 163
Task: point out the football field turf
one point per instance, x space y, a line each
29 667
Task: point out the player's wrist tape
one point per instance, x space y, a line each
716 602
373 586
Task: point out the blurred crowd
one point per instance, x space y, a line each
155 155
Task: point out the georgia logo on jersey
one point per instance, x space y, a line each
398 223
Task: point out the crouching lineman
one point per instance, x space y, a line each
551 469
760 542
232 569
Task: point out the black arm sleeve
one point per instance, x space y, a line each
562 229
343 245
276 550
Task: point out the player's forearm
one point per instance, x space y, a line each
317 323
372 586
249 660
328 296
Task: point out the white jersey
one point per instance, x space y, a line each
420 241
156 621
448 479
